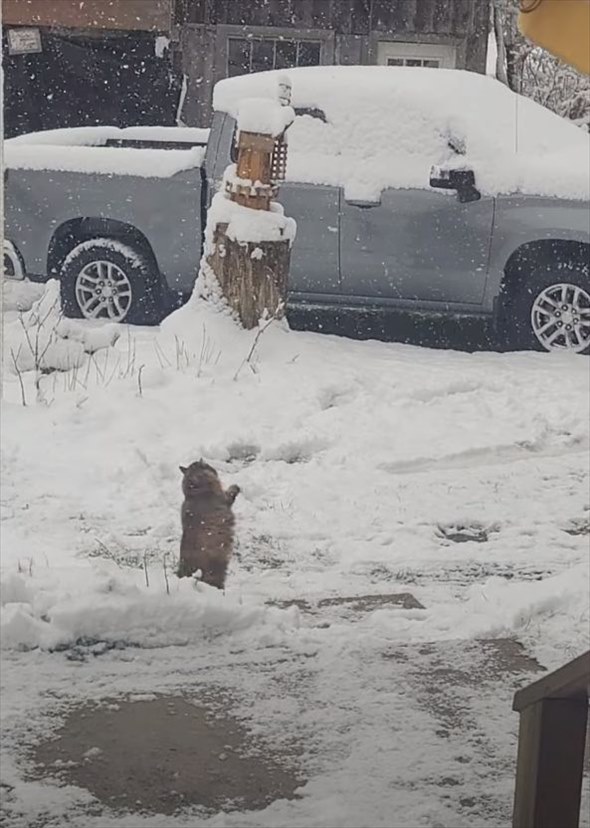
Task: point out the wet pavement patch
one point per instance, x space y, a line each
368 603
163 754
448 676
355 603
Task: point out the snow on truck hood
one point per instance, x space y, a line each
83 149
387 126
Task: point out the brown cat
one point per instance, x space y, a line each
207 524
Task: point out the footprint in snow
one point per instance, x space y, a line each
578 527
242 452
463 533
334 395
295 451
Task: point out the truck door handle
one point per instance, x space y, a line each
363 205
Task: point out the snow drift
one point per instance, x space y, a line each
54 612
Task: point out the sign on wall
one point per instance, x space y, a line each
24 41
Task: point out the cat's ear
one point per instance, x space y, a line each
183 469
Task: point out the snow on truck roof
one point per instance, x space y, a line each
386 126
109 150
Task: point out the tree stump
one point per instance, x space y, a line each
253 275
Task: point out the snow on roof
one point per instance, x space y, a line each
386 126
83 150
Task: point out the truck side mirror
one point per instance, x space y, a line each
460 180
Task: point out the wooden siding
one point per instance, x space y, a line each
126 15
347 17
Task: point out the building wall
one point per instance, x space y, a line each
99 64
355 17
349 32
129 15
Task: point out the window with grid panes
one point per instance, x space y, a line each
255 54
430 63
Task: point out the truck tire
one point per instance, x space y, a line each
550 311
107 279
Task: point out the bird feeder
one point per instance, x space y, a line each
261 150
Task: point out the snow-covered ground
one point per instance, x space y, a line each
360 464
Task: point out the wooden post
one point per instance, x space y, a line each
253 273
552 736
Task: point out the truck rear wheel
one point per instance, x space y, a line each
108 279
551 310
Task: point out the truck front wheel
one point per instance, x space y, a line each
550 311
107 279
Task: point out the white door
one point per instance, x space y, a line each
431 55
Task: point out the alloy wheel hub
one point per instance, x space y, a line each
567 315
103 290
560 318
108 290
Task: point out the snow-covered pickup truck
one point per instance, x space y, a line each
430 191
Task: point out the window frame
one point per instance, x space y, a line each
297 42
445 53
223 32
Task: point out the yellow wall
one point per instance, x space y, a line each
560 26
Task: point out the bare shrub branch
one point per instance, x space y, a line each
259 332
19 375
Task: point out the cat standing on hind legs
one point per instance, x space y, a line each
207 524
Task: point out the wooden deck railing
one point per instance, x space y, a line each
551 742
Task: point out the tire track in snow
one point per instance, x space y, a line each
496 455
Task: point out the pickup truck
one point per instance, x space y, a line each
432 191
